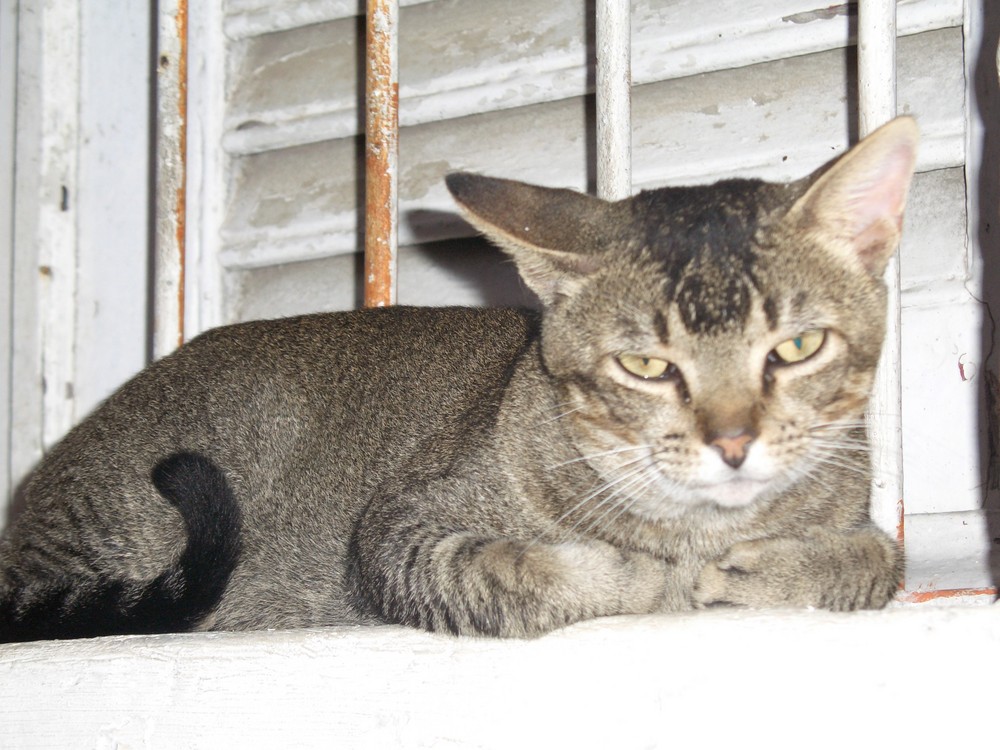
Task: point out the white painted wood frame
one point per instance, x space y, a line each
171 176
876 106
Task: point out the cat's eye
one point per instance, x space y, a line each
647 368
798 349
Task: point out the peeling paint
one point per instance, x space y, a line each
919 597
966 370
822 14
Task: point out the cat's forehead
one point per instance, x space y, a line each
702 244
713 220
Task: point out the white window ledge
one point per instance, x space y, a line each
919 676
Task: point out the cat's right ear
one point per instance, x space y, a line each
553 235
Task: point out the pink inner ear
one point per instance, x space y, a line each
874 242
876 201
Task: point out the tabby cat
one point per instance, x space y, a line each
681 426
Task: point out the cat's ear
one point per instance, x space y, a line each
855 207
553 235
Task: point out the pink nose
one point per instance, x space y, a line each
733 449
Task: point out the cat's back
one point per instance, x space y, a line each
436 336
314 384
401 355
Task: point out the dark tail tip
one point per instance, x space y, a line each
200 491
175 601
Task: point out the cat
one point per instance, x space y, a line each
681 426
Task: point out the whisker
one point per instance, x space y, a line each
630 470
602 454
645 480
835 445
557 417
821 460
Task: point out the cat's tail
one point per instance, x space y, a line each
175 601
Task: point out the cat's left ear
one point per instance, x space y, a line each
553 235
855 207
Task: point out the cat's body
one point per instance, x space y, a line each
496 471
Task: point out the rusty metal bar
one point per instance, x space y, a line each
876 106
614 99
381 152
171 174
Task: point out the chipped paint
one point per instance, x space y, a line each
920 597
821 14
171 178
966 370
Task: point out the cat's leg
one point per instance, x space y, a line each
416 573
859 569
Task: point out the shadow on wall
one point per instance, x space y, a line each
986 101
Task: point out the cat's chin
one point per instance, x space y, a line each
736 493
733 494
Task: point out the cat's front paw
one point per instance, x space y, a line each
826 570
744 576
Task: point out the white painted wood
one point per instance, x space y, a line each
58 211
26 369
171 204
709 679
941 349
113 199
941 377
208 169
935 258
301 86
876 106
614 99
464 272
951 550
470 272
78 283
8 103
777 120
246 18
46 209
876 63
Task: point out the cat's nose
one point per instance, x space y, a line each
733 448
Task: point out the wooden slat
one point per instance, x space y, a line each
299 86
776 120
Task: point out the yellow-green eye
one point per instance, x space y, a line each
644 367
800 348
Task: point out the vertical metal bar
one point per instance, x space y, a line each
614 99
381 152
171 172
876 106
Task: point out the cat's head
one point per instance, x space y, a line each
713 344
